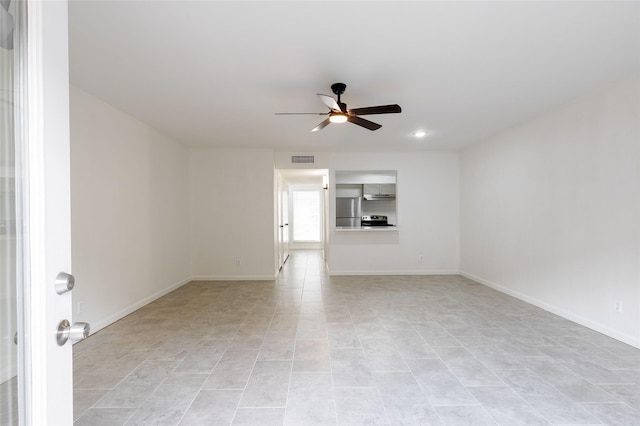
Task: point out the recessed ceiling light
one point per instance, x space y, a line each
420 133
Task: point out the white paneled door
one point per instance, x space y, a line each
283 220
38 385
48 212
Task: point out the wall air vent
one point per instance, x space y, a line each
303 159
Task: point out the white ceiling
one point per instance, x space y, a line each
214 73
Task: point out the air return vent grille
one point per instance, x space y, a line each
303 159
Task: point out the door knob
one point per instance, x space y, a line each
76 332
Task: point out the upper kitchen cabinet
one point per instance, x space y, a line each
369 184
362 177
379 191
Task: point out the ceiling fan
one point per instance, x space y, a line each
338 112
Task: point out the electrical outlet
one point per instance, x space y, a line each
618 306
420 258
238 262
80 307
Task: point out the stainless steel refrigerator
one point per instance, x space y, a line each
348 211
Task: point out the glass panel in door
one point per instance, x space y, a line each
10 237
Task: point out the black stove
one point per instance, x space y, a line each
374 220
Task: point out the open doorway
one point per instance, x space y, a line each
307 212
302 210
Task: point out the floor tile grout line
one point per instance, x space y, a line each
332 293
255 362
334 405
200 390
113 388
293 359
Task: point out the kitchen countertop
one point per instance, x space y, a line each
366 228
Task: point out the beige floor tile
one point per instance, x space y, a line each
307 348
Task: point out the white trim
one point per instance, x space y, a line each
601 328
233 277
97 326
34 236
391 272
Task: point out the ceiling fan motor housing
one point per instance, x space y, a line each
338 88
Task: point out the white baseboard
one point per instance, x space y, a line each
97 326
233 277
600 328
387 272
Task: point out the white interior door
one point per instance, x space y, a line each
282 201
49 210
285 223
279 223
38 144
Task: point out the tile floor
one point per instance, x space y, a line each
309 349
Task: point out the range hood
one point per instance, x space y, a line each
379 191
376 197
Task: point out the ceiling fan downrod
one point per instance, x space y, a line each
338 89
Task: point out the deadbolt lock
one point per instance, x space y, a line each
64 283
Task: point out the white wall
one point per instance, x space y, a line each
427 211
550 211
232 214
129 189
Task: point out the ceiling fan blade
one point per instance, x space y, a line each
302 113
330 102
364 123
321 125
382 109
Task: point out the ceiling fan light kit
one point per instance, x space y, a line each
338 118
339 113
